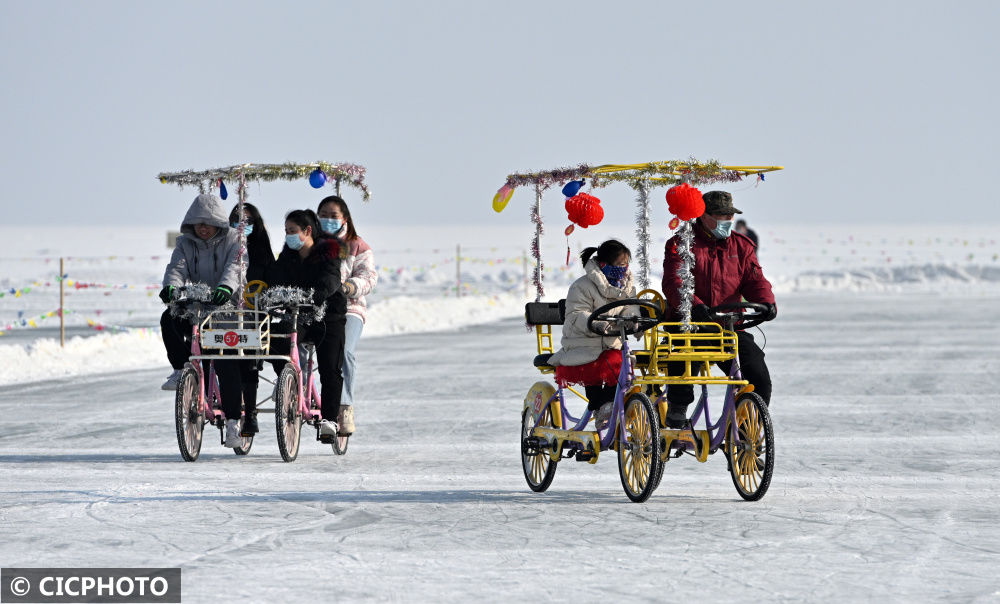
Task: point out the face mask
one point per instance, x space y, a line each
294 242
615 274
246 229
330 225
723 228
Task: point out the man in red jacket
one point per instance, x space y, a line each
725 271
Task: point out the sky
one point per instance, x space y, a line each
880 112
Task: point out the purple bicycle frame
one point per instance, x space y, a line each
618 410
212 382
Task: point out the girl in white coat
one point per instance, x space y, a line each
586 357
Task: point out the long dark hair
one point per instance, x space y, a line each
306 218
258 242
607 252
351 234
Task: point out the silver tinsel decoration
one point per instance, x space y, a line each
242 196
536 243
197 292
642 233
685 272
280 295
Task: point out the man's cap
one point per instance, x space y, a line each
719 202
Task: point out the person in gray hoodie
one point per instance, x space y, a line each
207 251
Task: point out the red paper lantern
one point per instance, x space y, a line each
584 209
685 202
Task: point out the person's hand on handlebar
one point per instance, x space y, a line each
167 294
772 311
701 313
221 295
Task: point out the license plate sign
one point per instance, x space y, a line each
230 338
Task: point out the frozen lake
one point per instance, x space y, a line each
885 488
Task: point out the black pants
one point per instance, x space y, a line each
328 336
598 395
233 375
752 366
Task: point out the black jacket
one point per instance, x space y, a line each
319 271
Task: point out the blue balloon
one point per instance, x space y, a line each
572 187
223 193
317 178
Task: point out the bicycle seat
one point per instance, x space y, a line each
542 361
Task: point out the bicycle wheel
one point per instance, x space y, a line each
339 444
244 448
539 469
189 422
287 418
639 459
751 453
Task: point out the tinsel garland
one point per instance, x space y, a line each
536 243
242 196
642 233
685 273
196 292
281 295
352 174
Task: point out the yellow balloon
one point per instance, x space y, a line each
502 197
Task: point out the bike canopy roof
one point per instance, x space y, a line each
640 177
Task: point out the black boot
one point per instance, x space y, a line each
676 415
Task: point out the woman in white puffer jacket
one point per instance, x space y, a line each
586 357
357 271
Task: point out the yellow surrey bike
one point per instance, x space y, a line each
743 429
548 431
675 353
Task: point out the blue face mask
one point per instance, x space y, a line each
723 228
615 274
246 229
294 242
330 225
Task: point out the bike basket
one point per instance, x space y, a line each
242 330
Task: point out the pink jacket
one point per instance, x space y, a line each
725 270
358 268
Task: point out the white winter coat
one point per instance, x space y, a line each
591 291
358 267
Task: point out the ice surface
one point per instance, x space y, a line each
885 486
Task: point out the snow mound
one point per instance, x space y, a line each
927 277
44 359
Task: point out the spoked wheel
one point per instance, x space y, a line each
539 469
639 462
244 448
189 421
340 444
287 418
751 452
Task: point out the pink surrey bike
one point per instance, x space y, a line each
198 400
296 395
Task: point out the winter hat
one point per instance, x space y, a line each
719 202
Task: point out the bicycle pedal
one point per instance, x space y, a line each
326 439
586 456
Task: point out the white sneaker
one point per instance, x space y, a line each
346 420
233 438
327 428
172 381
603 415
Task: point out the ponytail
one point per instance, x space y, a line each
607 253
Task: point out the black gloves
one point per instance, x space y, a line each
167 294
772 311
221 295
701 314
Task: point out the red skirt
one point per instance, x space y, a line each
604 370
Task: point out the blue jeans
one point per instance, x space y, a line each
352 333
